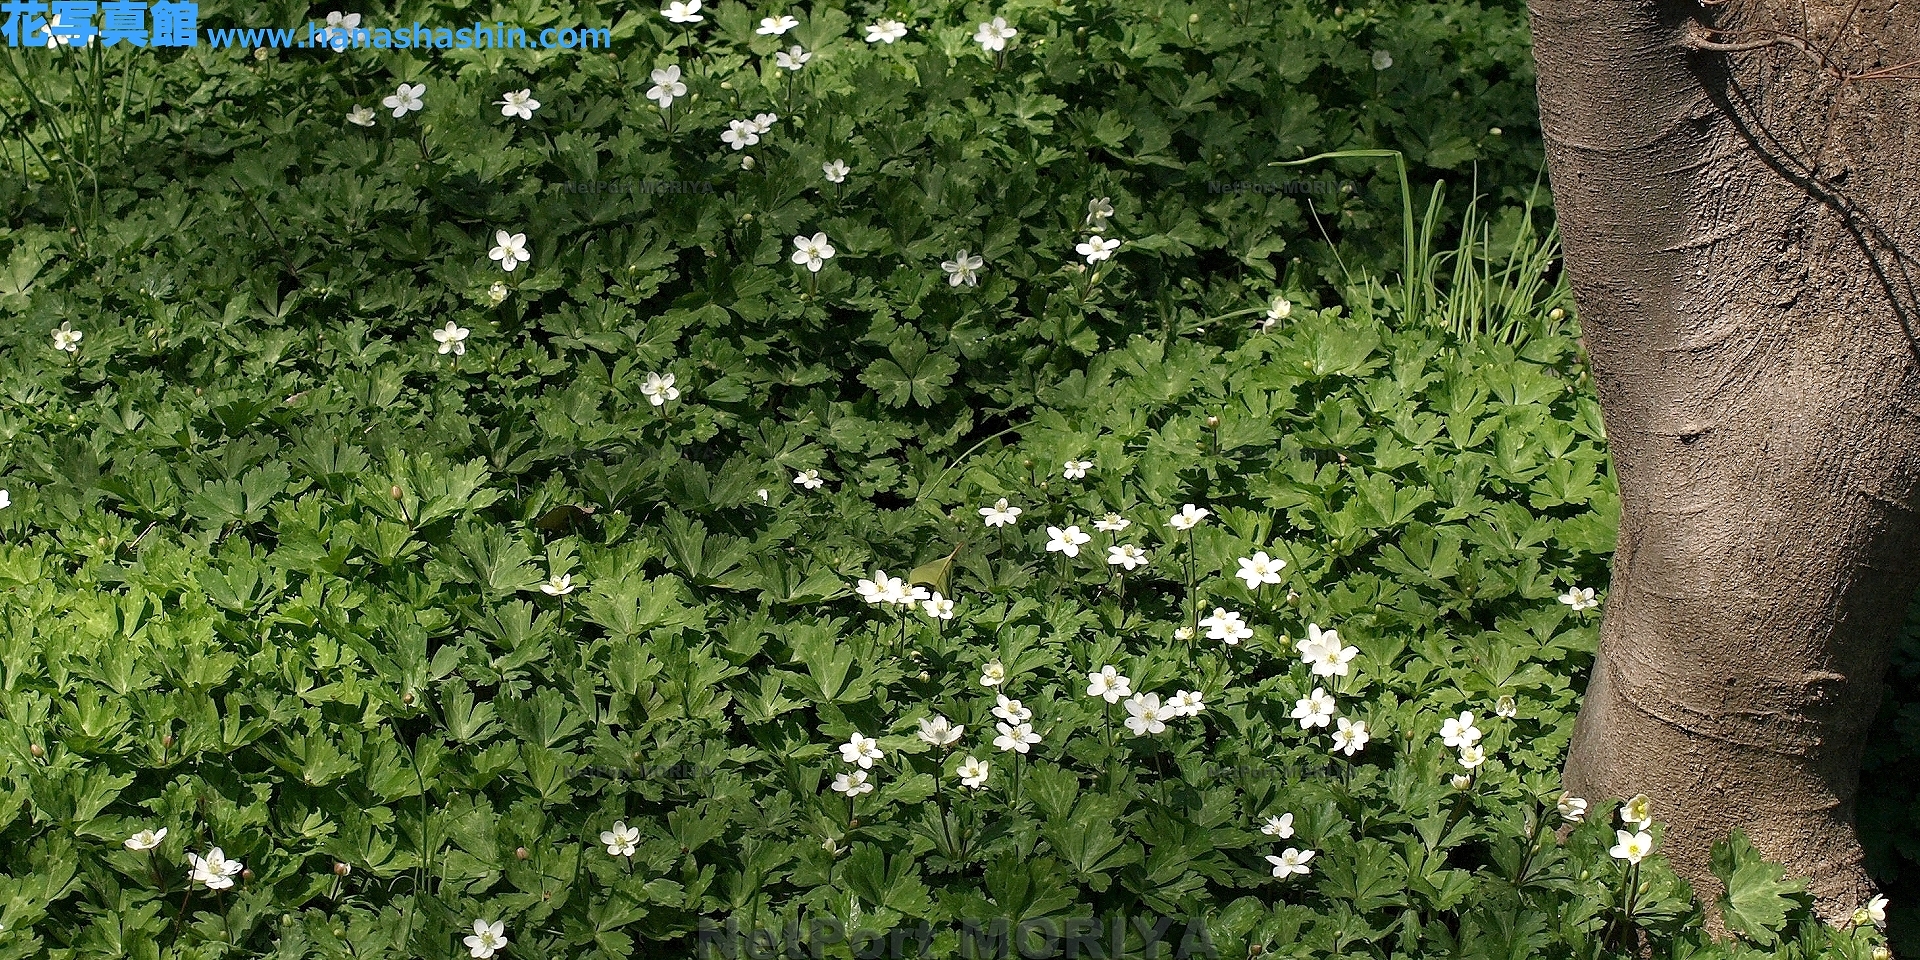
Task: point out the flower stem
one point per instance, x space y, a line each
1193 609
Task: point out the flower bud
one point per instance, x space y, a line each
1212 422
1193 18
197 391
520 853
1256 950
394 492
246 873
1556 313
341 869
37 750
407 698
167 741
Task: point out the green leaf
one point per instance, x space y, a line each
1759 897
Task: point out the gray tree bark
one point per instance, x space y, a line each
1739 193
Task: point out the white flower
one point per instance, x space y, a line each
1000 515
1259 569
937 607
1572 808
963 268
836 170
1289 862
881 589
809 480
622 840
1096 248
1076 469
145 839
1876 911
1314 710
764 122
510 249
1632 847
775 26
1323 651
214 870
666 86
1145 715
1183 633
405 99
1112 523
1012 711
1351 736
659 389
487 937
1126 555
452 339
1186 703
812 251
740 135
339 32
1382 59
519 103
54 39
993 35
683 11
792 58
746 162
6 500
993 674
1579 598
66 338
762 494
1461 781
1017 738
885 31
1459 731
558 586
853 783
1506 707
360 116
1066 541
1472 756
1188 517
1226 625
1281 309
938 731
973 772
862 751
1098 210
1638 811
1109 684
497 293
1280 826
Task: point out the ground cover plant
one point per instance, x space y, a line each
939 505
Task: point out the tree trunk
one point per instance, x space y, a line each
1740 210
